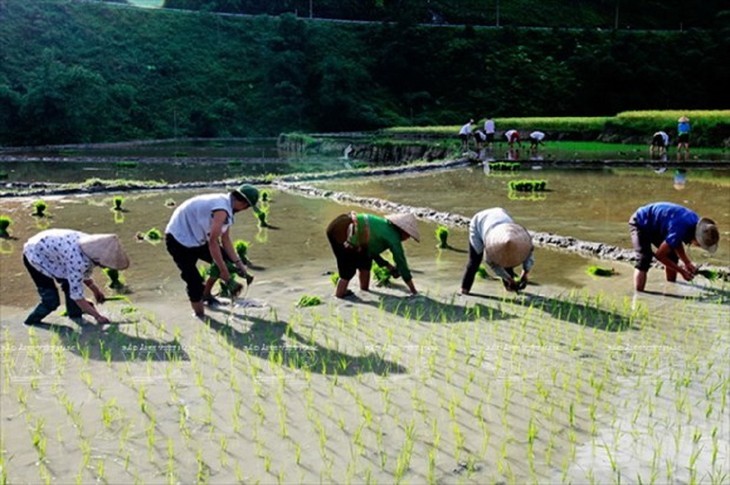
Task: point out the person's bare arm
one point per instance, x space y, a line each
662 255
216 237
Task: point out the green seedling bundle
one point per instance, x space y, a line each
5 222
527 185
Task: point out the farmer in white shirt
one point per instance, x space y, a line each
69 257
494 235
198 230
489 129
465 134
659 144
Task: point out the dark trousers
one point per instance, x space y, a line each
472 266
349 260
49 296
186 260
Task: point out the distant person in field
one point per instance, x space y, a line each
659 144
480 137
489 130
683 129
494 236
513 136
465 133
669 227
536 139
358 239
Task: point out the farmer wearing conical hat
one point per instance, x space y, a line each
503 244
683 129
358 239
198 230
69 257
669 226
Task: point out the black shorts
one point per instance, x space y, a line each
642 244
683 138
349 259
490 137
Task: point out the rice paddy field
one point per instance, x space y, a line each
575 380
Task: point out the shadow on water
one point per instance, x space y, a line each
587 314
425 309
111 345
277 342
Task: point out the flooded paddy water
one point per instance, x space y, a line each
575 380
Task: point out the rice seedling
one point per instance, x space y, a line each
600 271
153 235
307 301
39 208
442 236
117 203
5 222
382 276
263 218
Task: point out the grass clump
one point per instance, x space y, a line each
600 271
126 164
307 300
263 216
241 248
442 236
504 166
5 222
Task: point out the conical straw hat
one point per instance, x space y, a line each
507 245
105 250
407 223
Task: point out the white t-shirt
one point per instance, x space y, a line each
508 134
465 130
481 224
489 126
537 135
56 253
190 223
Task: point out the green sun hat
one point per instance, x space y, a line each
250 194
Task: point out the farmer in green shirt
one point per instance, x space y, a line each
358 239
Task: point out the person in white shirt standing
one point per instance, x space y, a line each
465 133
68 257
198 230
489 130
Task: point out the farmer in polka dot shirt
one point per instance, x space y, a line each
68 257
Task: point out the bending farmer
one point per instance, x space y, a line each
492 232
198 230
668 226
69 257
358 239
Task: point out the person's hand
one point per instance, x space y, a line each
234 288
523 282
99 296
394 273
687 275
691 268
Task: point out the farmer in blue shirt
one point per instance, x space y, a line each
669 226
683 128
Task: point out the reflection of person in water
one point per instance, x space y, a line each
513 155
680 178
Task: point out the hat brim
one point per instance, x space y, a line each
700 233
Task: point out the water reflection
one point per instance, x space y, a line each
680 179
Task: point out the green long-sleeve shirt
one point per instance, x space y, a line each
381 234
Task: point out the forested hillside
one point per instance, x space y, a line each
643 14
91 71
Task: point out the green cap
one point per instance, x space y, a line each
250 194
